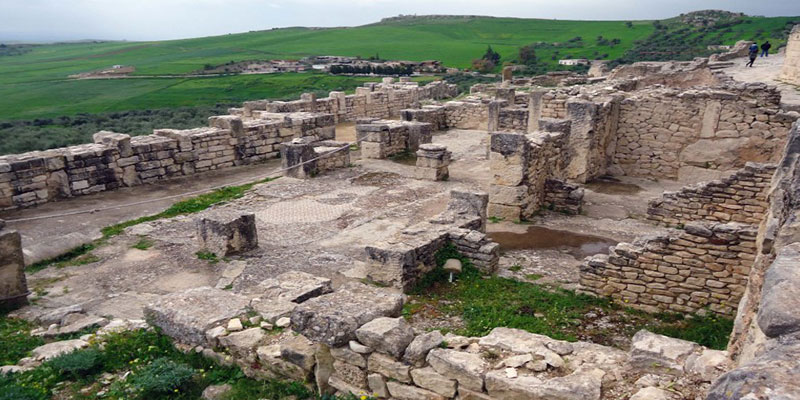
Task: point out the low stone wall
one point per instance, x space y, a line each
250 134
331 155
563 197
466 114
406 258
741 197
791 65
703 266
384 138
513 119
434 115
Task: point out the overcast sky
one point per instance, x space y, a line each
47 20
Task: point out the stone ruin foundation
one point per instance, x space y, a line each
725 244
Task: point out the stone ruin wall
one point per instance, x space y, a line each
250 134
741 197
703 266
407 257
764 344
696 134
384 138
791 65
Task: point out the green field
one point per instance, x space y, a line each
35 85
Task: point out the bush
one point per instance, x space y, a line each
78 364
162 377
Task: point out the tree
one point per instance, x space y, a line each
629 24
482 65
491 56
527 54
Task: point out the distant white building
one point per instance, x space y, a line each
574 61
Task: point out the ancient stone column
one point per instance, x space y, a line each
294 158
432 162
13 286
508 162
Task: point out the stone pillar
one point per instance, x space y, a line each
534 109
312 99
508 163
432 162
494 116
228 234
295 153
508 73
583 141
388 80
13 286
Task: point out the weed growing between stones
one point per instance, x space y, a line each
208 256
487 302
143 244
135 365
82 255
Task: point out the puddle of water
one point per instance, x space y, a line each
537 237
610 185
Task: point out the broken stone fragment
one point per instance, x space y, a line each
651 393
400 391
272 309
294 286
359 348
225 235
418 349
660 354
55 349
386 335
235 325
186 316
299 351
580 385
283 322
333 318
243 344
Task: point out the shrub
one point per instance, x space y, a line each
162 377
79 363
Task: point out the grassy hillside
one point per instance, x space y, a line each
34 83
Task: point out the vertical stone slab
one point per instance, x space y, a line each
791 65
13 286
582 141
228 234
535 109
311 98
508 72
708 129
494 116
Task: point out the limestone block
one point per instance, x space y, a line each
55 349
418 349
389 367
334 318
228 234
294 286
466 368
407 392
296 159
584 384
780 295
660 354
387 335
428 378
186 316
299 351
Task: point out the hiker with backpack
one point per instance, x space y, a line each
753 54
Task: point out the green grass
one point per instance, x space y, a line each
487 302
35 84
207 256
143 244
82 255
155 370
15 340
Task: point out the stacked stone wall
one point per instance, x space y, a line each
466 115
252 133
667 133
741 197
384 138
703 266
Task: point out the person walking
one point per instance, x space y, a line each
765 49
753 54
